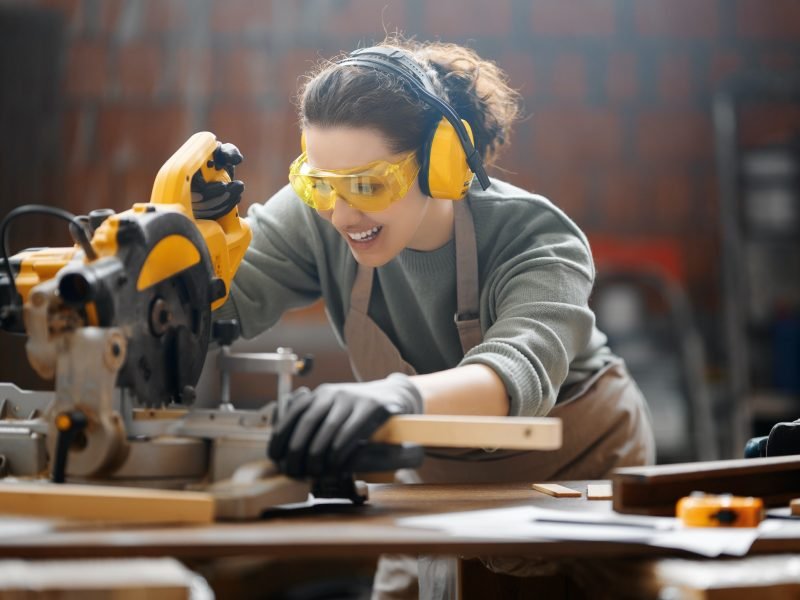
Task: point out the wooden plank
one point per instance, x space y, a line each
656 490
105 503
598 491
557 490
448 431
115 579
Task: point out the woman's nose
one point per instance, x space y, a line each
343 215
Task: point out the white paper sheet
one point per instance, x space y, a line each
531 523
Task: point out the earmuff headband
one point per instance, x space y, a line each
397 62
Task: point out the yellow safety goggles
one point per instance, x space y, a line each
369 188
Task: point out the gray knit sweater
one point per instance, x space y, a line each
535 272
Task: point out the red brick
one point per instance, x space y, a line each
574 18
246 73
621 79
577 136
268 140
467 17
366 17
568 77
768 123
72 143
670 194
674 135
88 187
130 135
243 16
251 128
675 84
139 69
194 72
514 162
135 183
87 69
566 188
621 195
523 179
167 15
677 18
292 67
723 64
519 66
768 20
110 15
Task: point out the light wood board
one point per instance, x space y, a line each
105 503
511 433
556 490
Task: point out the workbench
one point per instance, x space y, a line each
333 531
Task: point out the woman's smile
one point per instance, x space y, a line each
366 235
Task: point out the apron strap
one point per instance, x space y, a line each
467 317
362 289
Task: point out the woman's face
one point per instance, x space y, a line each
414 221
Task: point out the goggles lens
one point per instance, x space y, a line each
371 188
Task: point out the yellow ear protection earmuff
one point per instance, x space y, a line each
448 158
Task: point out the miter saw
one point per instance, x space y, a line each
122 322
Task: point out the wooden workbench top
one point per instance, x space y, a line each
336 530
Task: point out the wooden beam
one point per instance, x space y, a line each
448 431
105 503
655 490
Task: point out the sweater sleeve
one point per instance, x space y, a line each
278 271
534 310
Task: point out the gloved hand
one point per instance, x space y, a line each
322 429
213 199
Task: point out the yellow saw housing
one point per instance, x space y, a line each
226 238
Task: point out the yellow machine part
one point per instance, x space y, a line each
41 265
227 238
705 510
168 257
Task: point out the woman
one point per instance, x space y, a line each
383 235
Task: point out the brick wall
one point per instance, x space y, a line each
617 94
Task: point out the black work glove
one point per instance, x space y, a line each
322 429
213 199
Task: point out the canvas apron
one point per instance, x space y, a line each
605 421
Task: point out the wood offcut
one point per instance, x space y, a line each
557 490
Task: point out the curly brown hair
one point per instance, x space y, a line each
355 96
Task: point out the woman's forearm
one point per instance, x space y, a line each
468 390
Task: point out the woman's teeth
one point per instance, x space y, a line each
363 236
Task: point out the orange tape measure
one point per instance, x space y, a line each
724 510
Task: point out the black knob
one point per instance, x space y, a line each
98 215
216 289
225 331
